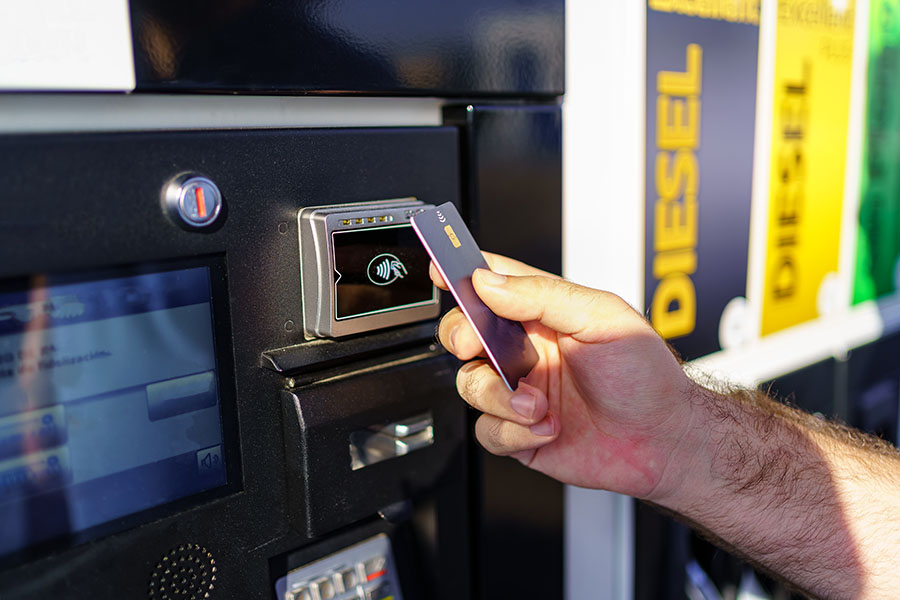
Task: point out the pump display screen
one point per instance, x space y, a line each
109 401
378 270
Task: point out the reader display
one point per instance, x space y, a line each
109 402
378 270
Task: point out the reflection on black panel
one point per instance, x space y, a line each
812 389
873 394
108 401
875 408
378 270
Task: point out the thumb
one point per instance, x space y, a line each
561 305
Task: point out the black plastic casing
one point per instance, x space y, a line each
466 48
512 200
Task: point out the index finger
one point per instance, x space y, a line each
510 266
498 263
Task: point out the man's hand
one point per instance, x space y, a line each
607 403
609 406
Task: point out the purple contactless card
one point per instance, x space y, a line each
456 255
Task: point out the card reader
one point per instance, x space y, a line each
362 268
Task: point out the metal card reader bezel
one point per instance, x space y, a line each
315 225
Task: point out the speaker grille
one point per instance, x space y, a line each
187 572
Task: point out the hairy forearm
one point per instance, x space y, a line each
813 502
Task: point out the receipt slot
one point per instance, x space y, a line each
362 268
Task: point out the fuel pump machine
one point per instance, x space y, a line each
218 369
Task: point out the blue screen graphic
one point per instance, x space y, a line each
108 401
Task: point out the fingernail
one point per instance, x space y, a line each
491 278
523 404
545 428
453 333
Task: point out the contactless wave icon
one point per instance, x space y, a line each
385 269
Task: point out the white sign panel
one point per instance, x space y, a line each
65 45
